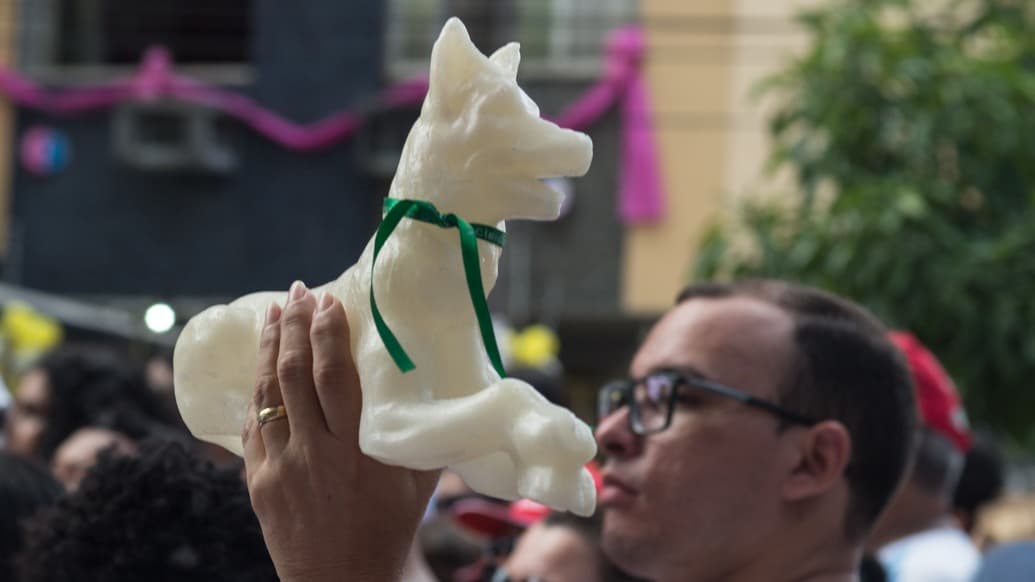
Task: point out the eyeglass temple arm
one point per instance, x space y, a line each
756 402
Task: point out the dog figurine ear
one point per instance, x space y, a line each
508 57
454 60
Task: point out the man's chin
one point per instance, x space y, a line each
625 544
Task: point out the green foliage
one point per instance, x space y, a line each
921 123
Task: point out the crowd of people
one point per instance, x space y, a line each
767 431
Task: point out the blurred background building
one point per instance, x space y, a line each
163 201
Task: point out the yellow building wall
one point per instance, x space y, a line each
8 42
704 58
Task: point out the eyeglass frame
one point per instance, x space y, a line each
689 380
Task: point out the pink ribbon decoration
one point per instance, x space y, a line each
155 79
639 192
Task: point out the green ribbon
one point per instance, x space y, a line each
395 210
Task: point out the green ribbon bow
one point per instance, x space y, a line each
395 210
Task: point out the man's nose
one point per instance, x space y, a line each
614 437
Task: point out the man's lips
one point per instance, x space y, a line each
615 492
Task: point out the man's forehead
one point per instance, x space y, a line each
727 339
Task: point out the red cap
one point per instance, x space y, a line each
941 409
494 519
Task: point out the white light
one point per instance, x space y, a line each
160 318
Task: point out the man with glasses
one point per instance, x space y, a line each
764 429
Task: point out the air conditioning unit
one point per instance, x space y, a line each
168 136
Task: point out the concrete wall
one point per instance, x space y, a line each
704 59
9 15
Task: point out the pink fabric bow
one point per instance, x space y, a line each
640 194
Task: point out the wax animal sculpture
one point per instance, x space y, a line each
480 150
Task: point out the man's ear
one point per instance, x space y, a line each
823 455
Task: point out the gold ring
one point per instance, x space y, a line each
272 413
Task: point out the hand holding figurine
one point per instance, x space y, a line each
326 509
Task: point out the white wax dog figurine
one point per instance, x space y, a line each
479 150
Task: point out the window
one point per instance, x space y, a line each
118 32
556 36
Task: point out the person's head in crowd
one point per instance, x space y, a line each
767 427
464 533
158 371
25 488
160 515
80 451
450 549
917 537
981 482
499 525
942 441
1007 520
446 545
74 387
561 548
158 375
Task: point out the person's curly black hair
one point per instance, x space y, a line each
89 386
25 486
161 515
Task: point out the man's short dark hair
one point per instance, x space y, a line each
162 515
845 370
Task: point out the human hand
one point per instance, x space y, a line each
327 511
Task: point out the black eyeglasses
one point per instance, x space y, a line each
652 399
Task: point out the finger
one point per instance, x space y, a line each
254 450
274 434
334 371
295 364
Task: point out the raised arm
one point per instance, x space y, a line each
328 512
